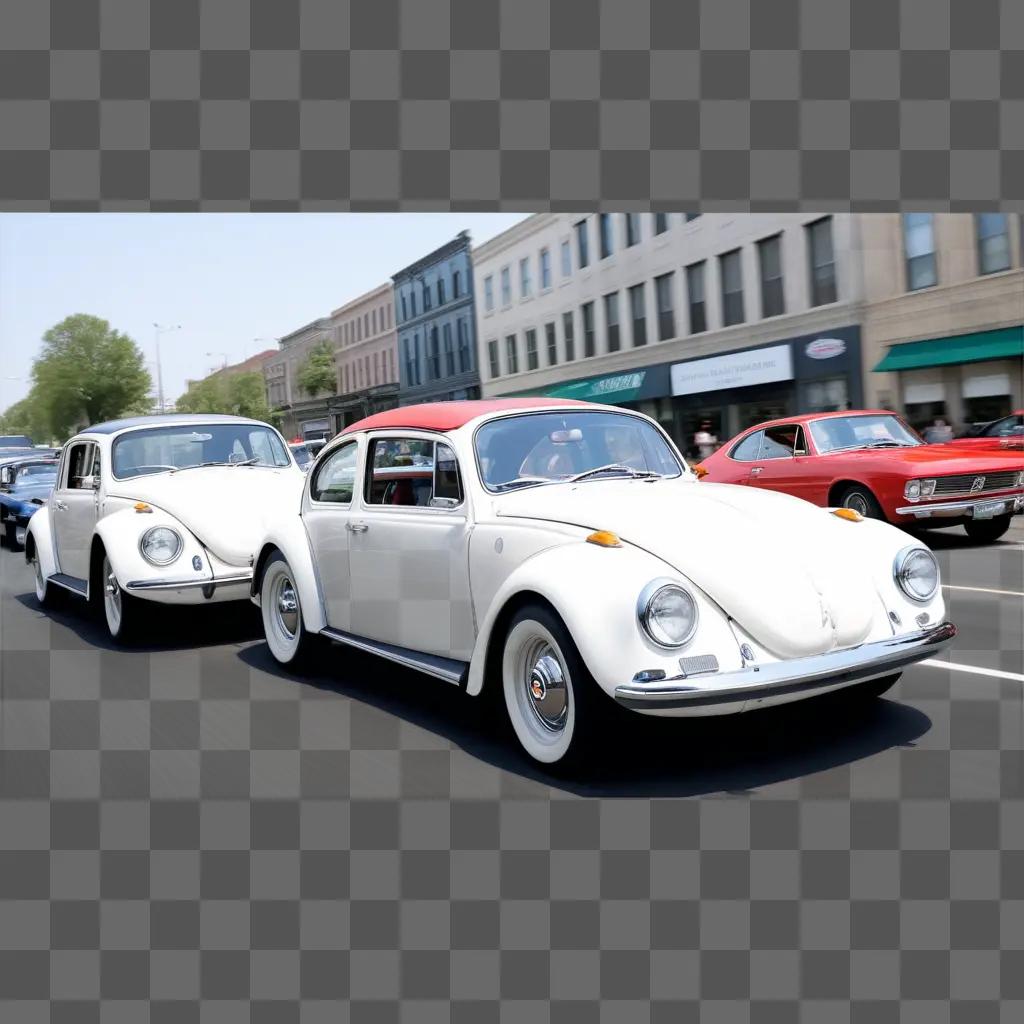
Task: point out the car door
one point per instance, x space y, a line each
327 517
742 456
782 462
409 553
75 508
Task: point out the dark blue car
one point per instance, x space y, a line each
25 484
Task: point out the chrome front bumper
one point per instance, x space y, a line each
784 678
1014 505
235 579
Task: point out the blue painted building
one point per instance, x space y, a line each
436 322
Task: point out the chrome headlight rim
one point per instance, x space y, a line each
156 561
900 574
645 602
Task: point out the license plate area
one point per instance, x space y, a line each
988 509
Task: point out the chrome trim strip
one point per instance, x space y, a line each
432 664
923 511
839 668
215 581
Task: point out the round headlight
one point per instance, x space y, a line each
160 545
917 573
668 613
913 489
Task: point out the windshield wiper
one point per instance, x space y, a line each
887 444
199 465
522 481
615 467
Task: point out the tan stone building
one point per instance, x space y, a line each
943 325
302 416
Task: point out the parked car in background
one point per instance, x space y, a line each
303 455
997 435
564 553
25 484
159 509
15 441
875 464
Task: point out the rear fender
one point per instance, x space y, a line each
40 540
290 538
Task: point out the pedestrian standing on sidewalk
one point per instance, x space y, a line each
939 432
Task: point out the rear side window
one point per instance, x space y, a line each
747 449
412 472
335 479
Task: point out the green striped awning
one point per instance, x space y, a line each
1004 343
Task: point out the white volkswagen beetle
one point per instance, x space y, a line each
166 509
565 552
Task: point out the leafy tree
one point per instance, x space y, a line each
237 394
317 373
26 417
86 373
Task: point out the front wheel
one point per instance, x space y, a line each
860 499
985 531
552 701
122 612
46 594
281 609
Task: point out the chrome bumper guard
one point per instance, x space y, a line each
1013 504
840 668
217 581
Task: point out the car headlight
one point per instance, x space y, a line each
667 613
916 573
1020 478
160 545
919 489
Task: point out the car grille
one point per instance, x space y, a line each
947 486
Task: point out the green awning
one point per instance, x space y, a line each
1005 343
618 387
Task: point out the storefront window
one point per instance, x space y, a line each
987 408
829 395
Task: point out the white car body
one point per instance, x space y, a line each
792 599
220 513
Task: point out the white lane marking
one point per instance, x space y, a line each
975 669
984 590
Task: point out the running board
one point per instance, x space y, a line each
449 670
72 583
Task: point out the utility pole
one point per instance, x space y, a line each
157 331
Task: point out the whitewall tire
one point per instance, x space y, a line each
45 594
281 610
121 611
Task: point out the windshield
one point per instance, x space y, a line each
35 476
302 454
159 449
540 448
878 431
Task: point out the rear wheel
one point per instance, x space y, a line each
281 609
11 534
860 499
985 531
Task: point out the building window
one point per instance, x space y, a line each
552 340
532 361
506 286
545 269
588 329
511 354
632 228
434 357
412 301
611 319
426 296
412 366
465 357
456 285
769 255
695 290
660 223
919 242
666 309
488 293
405 316
582 244
449 352
638 311
604 231
993 242
732 288
566 259
823 262
569 333
524 279
440 291
492 358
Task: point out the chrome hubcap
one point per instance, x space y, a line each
545 688
287 606
857 503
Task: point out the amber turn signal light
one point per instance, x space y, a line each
604 539
848 513
700 471
141 506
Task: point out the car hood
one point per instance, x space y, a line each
28 492
226 507
781 567
938 459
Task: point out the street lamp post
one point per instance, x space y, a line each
157 331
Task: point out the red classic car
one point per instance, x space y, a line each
873 463
998 435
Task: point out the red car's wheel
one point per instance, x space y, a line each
860 499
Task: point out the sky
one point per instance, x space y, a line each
228 279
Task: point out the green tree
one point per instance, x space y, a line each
86 373
26 417
317 373
237 394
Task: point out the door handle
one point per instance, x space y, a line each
357 527
757 469
60 506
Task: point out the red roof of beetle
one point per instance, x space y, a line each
451 415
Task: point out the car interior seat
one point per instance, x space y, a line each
402 493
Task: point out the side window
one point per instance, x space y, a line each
747 449
780 442
79 466
447 486
400 471
335 478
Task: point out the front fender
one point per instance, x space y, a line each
595 590
290 538
40 540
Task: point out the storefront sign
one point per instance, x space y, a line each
825 348
619 387
737 370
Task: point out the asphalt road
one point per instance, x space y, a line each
215 661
